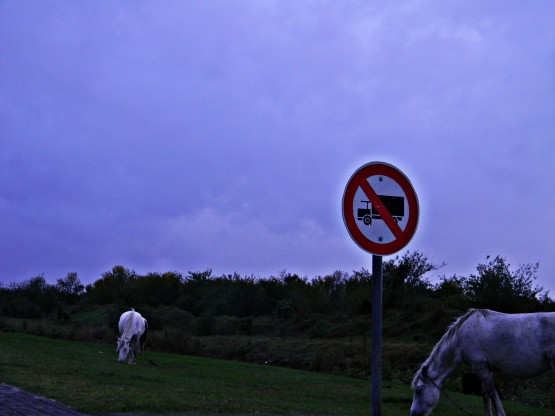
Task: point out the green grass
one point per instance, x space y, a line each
97 316
87 377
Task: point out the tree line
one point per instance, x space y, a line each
407 287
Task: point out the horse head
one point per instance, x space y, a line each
426 394
123 349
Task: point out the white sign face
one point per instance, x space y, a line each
369 221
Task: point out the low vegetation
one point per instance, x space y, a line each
320 324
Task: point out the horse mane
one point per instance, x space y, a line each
447 337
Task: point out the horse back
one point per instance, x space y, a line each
535 328
518 344
132 324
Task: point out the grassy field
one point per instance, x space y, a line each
87 377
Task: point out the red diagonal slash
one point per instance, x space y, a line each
380 207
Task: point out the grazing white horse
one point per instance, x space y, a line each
520 345
132 328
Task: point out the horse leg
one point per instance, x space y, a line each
133 352
487 403
489 391
552 361
136 348
132 348
142 339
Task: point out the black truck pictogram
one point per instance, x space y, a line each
394 204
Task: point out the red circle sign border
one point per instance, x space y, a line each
362 174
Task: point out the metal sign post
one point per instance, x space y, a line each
377 285
380 211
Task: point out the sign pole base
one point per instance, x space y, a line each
377 285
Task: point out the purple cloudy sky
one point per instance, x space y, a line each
177 136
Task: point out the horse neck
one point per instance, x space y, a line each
443 361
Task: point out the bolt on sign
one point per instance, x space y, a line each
380 208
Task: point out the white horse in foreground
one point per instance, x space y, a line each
520 345
132 328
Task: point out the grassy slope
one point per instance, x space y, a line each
87 377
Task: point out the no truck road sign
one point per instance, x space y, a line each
380 208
